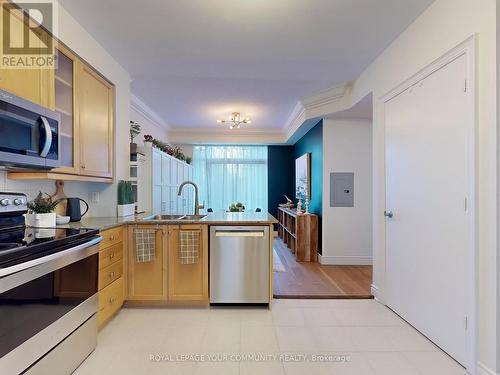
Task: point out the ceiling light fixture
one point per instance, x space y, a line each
236 121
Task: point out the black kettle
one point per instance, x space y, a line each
73 209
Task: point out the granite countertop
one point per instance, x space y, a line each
213 218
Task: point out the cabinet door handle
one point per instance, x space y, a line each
111 300
111 275
111 256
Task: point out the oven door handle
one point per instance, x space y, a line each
19 274
48 137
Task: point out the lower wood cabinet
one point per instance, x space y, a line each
165 278
110 301
111 279
187 282
147 281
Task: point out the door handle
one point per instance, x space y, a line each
388 214
239 234
48 137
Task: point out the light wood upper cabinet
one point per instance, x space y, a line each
95 98
187 282
85 101
36 85
147 281
66 105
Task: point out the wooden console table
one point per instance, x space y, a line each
299 233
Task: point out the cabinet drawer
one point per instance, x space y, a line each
110 255
111 237
109 274
110 300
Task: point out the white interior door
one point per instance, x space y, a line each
427 180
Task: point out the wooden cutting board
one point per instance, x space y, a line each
61 207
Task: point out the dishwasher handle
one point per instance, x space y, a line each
239 233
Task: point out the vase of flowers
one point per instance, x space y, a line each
41 212
237 207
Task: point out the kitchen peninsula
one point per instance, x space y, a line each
167 279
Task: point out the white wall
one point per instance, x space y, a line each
347 231
150 123
81 42
444 25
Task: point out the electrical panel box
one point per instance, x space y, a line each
342 189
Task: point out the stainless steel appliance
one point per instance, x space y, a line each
29 134
48 293
239 264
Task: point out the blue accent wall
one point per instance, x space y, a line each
312 142
280 176
281 172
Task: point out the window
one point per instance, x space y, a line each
230 174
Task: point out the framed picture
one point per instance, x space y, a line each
303 177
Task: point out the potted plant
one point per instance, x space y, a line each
236 207
41 212
135 130
126 204
148 140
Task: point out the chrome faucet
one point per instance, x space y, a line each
197 206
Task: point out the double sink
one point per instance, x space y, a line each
174 217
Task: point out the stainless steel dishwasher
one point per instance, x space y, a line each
239 264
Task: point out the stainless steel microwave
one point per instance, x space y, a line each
29 134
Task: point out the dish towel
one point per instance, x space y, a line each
189 246
145 245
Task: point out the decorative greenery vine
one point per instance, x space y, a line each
171 150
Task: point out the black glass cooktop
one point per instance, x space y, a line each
21 244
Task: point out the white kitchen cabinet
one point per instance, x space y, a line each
155 205
156 166
162 177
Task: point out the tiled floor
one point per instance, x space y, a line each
371 339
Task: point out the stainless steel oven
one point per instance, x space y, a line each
48 295
29 134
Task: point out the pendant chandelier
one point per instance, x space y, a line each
235 121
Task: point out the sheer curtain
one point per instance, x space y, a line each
230 174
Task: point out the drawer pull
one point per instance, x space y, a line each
111 256
111 300
111 238
111 274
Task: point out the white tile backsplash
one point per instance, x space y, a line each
107 192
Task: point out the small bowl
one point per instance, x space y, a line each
61 220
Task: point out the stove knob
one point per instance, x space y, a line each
4 202
18 202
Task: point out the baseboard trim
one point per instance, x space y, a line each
482 369
375 292
338 260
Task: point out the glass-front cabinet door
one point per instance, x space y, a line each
65 99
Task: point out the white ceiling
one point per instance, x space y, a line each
194 61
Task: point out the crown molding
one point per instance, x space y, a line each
144 110
326 97
315 107
306 112
224 135
295 120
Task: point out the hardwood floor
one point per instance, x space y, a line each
312 280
